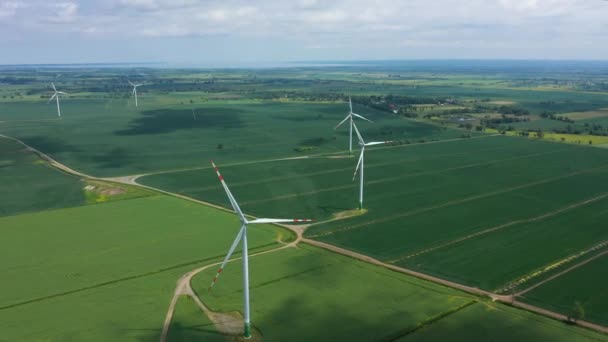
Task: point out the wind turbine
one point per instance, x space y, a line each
242 237
56 96
360 163
349 117
135 90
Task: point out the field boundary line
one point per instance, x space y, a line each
502 226
555 265
458 201
571 268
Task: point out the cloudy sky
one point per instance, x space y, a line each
242 31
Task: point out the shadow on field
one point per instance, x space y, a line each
114 158
179 332
50 145
170 120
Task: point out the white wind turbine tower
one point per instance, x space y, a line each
56 96
360 163
349 117
135 90
242 237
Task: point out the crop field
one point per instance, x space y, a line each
98 268
297 294
423 199
190 324
585 285
484 322
108 138
29 184
464 191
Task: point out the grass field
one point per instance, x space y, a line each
498 323
308 294
586 285
98 268
421 197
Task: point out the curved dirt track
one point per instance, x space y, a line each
184 286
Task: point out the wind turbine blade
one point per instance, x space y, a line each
361 141
53 85
377 143
361 117
359 162
133 92
62 93
52 97
270 220
137 85
343 121
131 83
230 251
350 103
231 198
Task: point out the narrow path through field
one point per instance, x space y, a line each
224 323
299 233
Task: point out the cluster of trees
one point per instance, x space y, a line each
553 116
496 123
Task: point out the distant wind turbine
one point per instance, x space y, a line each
135 90
349 117
360 163
242 237
56 96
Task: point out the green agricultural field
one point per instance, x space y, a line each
105 137
585 285
495 259
191 324
30 184
102 271
420 197
308 294
498 323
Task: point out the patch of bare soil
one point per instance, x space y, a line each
112 191
348 213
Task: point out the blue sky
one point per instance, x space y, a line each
240 31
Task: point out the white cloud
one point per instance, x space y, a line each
63 12
9 8
383 24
